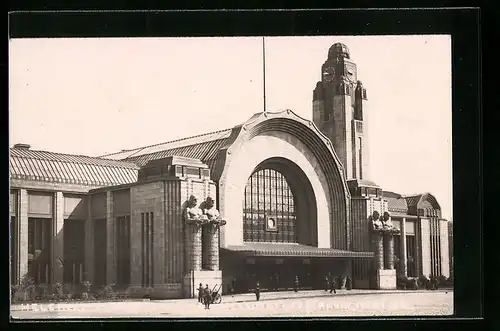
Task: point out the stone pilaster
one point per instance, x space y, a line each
89 243
389 251
378 250
445 254
211 246
57 261
424 241
110 240
22 235
193 247
403 253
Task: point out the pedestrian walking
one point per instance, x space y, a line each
333 285
233 285
277 282
207 296
257 291
200 293
348 283
296 284
327 284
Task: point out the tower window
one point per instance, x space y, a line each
360 157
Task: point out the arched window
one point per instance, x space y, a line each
268 208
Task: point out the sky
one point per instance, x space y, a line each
93 96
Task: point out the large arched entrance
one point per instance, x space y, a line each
279 204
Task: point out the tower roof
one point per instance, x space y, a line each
338 50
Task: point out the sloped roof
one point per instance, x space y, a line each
409 204
397 205
71 169
395 202
413 200
188 145
423 200
203 147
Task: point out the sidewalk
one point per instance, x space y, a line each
226 299
284 295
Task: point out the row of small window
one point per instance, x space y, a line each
274 190
261 233
268 209
248 218
266 187
276 198
268 191
261 219
263 182
268 173
280 228
275 238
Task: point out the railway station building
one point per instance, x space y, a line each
275 197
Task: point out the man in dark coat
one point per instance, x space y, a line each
207 297
327 284
257 291
333 285
296 284
233 285
433 281
200 293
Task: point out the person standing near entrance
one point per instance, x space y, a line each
296 284
200 293
257 291
276 282
207 297
333 285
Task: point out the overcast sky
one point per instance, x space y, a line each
96 96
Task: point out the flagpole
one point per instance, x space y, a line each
264 69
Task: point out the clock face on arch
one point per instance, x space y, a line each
328 74
350 74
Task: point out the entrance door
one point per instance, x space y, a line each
305 274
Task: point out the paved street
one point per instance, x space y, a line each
321 305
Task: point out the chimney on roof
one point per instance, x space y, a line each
22 146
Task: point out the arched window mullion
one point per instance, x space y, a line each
268 193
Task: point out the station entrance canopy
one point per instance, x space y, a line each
292 250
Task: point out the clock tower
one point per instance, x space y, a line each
339 100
